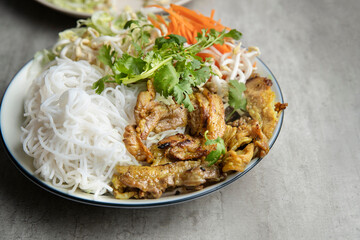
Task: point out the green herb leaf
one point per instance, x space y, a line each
208 38
130 22
145 36
233 33
105 55
172 38
236 98
214 155
153 59
129 65
99 85
195 64
180 40
202 75
165 79
181 94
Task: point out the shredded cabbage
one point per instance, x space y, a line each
104 28
101 21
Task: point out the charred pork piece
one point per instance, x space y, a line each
243 131
237 160
135 146
159 156
151 182
176 116
183 147
260 104
198 118
208 115
200 175
151 115
280 106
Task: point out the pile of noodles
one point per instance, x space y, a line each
73 134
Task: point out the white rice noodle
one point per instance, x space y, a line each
73 134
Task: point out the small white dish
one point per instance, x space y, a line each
119 5
11 120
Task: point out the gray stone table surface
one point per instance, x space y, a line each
306 188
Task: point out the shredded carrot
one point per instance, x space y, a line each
188 23
207 55
212 14
222 48
161 19
154 22
254 65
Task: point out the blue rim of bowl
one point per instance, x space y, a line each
194 196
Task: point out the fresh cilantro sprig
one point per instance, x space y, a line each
236 98
214 155
206 39
174 67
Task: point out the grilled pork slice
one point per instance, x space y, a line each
237 160
198 118
183 147
244 140
260 104
159 156
208 115
243 131
151 115
176 116
135 146
151 182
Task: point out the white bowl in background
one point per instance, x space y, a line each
119 5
